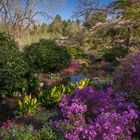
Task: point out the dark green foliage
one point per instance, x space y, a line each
47 132
110 55
30 84
34 85
13 67
61 27
6 40
47 56
24 86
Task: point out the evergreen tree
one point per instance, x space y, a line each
69 28
55 26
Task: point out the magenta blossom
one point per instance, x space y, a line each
73 67
96 114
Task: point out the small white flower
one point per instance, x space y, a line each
41 84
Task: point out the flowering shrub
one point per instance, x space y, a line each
73 67
127 77
73 110
7 124
103 81
94 114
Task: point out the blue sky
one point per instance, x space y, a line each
66 11
70 5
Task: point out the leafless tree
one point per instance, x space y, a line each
22 14
89 7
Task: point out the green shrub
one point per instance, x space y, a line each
103 81
36 127
46 134
31 84
13 67
47 56
110 55
20 133
6 40
24 86
75 51
44 116
34 85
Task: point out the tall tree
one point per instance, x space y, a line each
64 24
69 28
22 14
95 18
128 10
88 7
56 25
77 25
125 17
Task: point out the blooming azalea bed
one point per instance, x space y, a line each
93 114
89 114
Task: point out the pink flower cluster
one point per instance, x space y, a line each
101 72
7 124
73 67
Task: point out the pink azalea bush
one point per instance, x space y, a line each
98 115
101 72
73 67
7 124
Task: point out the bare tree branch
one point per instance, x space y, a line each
22 13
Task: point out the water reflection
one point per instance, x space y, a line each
77 77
